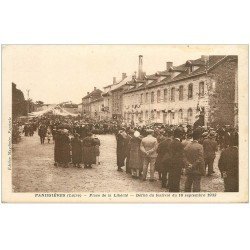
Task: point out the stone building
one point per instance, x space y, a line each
86 101
203 87
112 97
96 109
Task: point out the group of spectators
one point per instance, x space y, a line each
76 150
170 150
74 141
173 151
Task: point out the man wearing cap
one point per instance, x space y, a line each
176 161
149 147
195 166
210 146
164 159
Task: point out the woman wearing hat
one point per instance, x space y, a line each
62 148
88 153
135 159
76 145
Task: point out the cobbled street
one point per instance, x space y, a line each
34 171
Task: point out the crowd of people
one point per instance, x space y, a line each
75 150
74 141
173 151
169 150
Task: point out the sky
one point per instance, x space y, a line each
57 73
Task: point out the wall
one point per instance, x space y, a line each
107 102
96 109
222 99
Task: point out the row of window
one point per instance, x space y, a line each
172 94
152 115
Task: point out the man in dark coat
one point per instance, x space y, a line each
176 163
127 145
26 130
42 131
57 139
76 146
160 153
163 158
199 122
229 165
195 166
210 146
120 149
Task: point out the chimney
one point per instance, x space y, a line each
94 88
87 93
124 75
169 65
140 72
114 80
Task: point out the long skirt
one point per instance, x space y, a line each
89 156
76 155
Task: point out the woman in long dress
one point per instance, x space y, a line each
135 159
88 147
65 148
76 145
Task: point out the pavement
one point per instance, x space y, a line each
33 170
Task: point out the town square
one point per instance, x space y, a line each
173 130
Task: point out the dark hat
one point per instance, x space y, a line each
178 133
196 134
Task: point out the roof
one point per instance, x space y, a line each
97 100
212 62
95 91
179 68
106 94
196 62
118 84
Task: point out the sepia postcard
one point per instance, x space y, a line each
125 123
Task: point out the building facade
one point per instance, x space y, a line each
112 98
88 99
180 94
117 98
96 109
